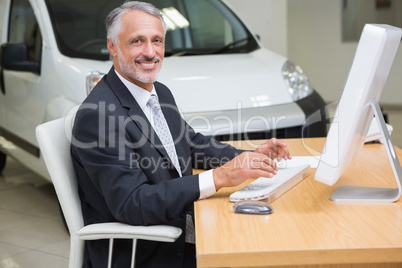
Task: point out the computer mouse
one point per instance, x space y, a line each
253 207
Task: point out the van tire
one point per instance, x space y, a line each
3 158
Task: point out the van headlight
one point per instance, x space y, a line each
297 82
92 79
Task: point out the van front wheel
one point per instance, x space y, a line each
2 161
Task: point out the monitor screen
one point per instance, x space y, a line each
374 55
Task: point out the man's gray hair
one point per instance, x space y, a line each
113 19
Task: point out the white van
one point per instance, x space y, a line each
225 83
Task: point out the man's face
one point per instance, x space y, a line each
139 54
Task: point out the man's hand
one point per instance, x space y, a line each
259 163
242 167
274 148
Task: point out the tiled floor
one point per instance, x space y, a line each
32 234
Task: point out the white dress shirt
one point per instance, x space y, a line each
206 180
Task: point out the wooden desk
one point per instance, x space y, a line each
306 228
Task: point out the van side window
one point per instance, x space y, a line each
23 28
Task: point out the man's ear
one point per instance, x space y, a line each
111 47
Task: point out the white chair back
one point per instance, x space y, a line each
54 142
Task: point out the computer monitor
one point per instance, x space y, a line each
375 53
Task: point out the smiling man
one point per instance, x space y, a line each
139 48
134 154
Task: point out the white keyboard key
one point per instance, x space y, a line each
269 189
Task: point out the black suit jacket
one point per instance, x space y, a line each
124 174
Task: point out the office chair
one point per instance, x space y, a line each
54 142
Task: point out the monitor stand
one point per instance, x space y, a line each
375 194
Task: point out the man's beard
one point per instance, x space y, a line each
128 68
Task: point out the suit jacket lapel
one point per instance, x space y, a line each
134 111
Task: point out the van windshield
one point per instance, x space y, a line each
194 27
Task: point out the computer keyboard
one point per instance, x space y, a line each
269 189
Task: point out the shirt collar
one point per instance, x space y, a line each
140 95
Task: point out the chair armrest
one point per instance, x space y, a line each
162 233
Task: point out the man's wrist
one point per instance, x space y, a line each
206 184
